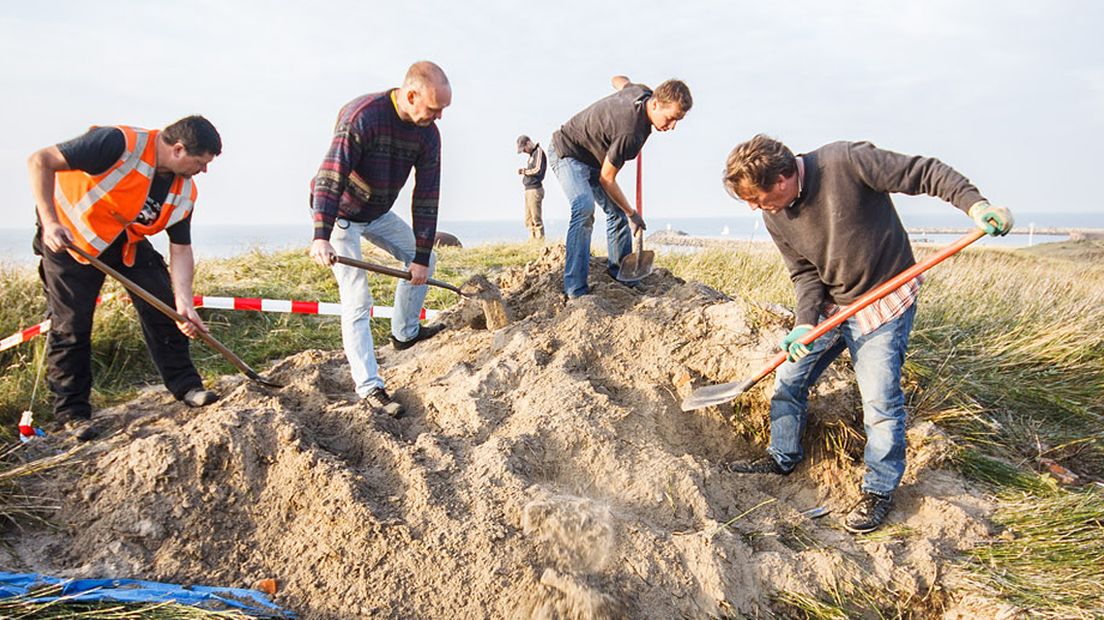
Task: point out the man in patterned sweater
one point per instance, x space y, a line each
830 214
378 138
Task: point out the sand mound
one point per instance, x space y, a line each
543 470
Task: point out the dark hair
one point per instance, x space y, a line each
196 133
755 165
674 91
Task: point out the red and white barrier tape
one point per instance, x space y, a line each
236 303
294 307
23 336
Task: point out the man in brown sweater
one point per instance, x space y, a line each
831 216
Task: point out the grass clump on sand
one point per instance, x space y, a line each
1050 557
1007 355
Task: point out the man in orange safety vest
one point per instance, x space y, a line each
104 192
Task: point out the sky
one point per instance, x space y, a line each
1009 93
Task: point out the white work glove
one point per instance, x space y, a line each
994 220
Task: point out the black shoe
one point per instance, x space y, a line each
425 332
869 513
379 400
765 465
633 284
199 397
82 429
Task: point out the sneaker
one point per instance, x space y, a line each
379 400
869 513
764 465
425 332
199 397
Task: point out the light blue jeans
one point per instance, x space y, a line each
877 358
580 185
390 233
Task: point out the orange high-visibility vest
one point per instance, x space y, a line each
98 208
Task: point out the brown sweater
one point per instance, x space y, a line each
842 237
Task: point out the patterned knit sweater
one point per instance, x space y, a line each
367 165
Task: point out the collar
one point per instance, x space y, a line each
395 101
800 181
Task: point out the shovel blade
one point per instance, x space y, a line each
265 381
636 266
715 394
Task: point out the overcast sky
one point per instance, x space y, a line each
1009 93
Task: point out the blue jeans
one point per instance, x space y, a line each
581 186
394 236
877 358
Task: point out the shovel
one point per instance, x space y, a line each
724 392
639 264
396 273
479 288
176 316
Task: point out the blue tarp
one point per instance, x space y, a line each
137 591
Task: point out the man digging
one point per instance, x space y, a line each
379 137
105 192
831 216
589 150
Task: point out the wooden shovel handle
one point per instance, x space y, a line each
396 273
170 312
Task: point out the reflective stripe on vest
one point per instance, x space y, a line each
98 208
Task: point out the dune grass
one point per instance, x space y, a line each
1007 356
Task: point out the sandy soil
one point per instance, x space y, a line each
543 470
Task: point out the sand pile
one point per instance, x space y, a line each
542 470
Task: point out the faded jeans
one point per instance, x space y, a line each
581 186
390 233
877 358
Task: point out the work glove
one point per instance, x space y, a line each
996 221
794 349
637 222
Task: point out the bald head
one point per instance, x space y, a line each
425 73
425 94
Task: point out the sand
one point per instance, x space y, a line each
543 470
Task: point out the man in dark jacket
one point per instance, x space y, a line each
532 177
831 216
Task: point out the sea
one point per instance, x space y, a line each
211 241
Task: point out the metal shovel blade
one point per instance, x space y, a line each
715 394
638 265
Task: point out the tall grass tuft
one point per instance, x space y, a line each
16 507
1051 559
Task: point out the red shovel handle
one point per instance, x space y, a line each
881 291
639 184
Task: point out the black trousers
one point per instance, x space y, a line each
71 291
